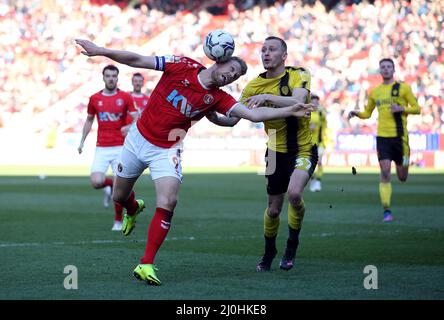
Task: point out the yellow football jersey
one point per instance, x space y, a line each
290 134
390 124
318 124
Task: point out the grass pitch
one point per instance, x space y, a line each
216 240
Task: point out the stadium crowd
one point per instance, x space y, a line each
40 65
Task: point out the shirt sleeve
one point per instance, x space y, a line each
168 63
246 93
300 78
368 110
225 104
91 107
413 106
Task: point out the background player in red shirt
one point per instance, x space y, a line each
186 92
112 107
140 99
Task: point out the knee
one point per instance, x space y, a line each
97 183
385 177
118 197
274 212
168 202
402 178
294 198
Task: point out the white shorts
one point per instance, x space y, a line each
139 154
105 157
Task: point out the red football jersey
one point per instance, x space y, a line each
141 102
178 101
111 112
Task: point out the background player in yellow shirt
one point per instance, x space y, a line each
291 156
318 125
394 101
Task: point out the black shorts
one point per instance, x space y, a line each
394 149
279 171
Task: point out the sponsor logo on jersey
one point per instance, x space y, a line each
109 116
181 104
385 101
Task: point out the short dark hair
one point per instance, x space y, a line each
283 43
314 96
242 63
110 67
138 74
387 60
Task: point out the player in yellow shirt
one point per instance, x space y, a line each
394 101
318 126
291 156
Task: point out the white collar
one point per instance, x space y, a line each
109 94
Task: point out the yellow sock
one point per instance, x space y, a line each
296 215
271 225
319 172
385 192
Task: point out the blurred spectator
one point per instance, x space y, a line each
42 73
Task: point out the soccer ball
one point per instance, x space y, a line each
219 45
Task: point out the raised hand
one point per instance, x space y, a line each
89 48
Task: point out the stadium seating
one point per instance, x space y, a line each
41 67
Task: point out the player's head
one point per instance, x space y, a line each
386 68
137 80
110 77
315 100
229 71
274 53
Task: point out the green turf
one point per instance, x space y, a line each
216 240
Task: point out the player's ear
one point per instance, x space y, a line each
284 56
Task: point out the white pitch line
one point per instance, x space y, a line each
190 238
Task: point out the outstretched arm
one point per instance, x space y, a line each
222 120
261 114
125 57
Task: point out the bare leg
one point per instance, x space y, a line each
402 172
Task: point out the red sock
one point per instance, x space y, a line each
157 232
118 209
108 182
130 204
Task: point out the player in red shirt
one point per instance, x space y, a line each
140 99
112 107
186 92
